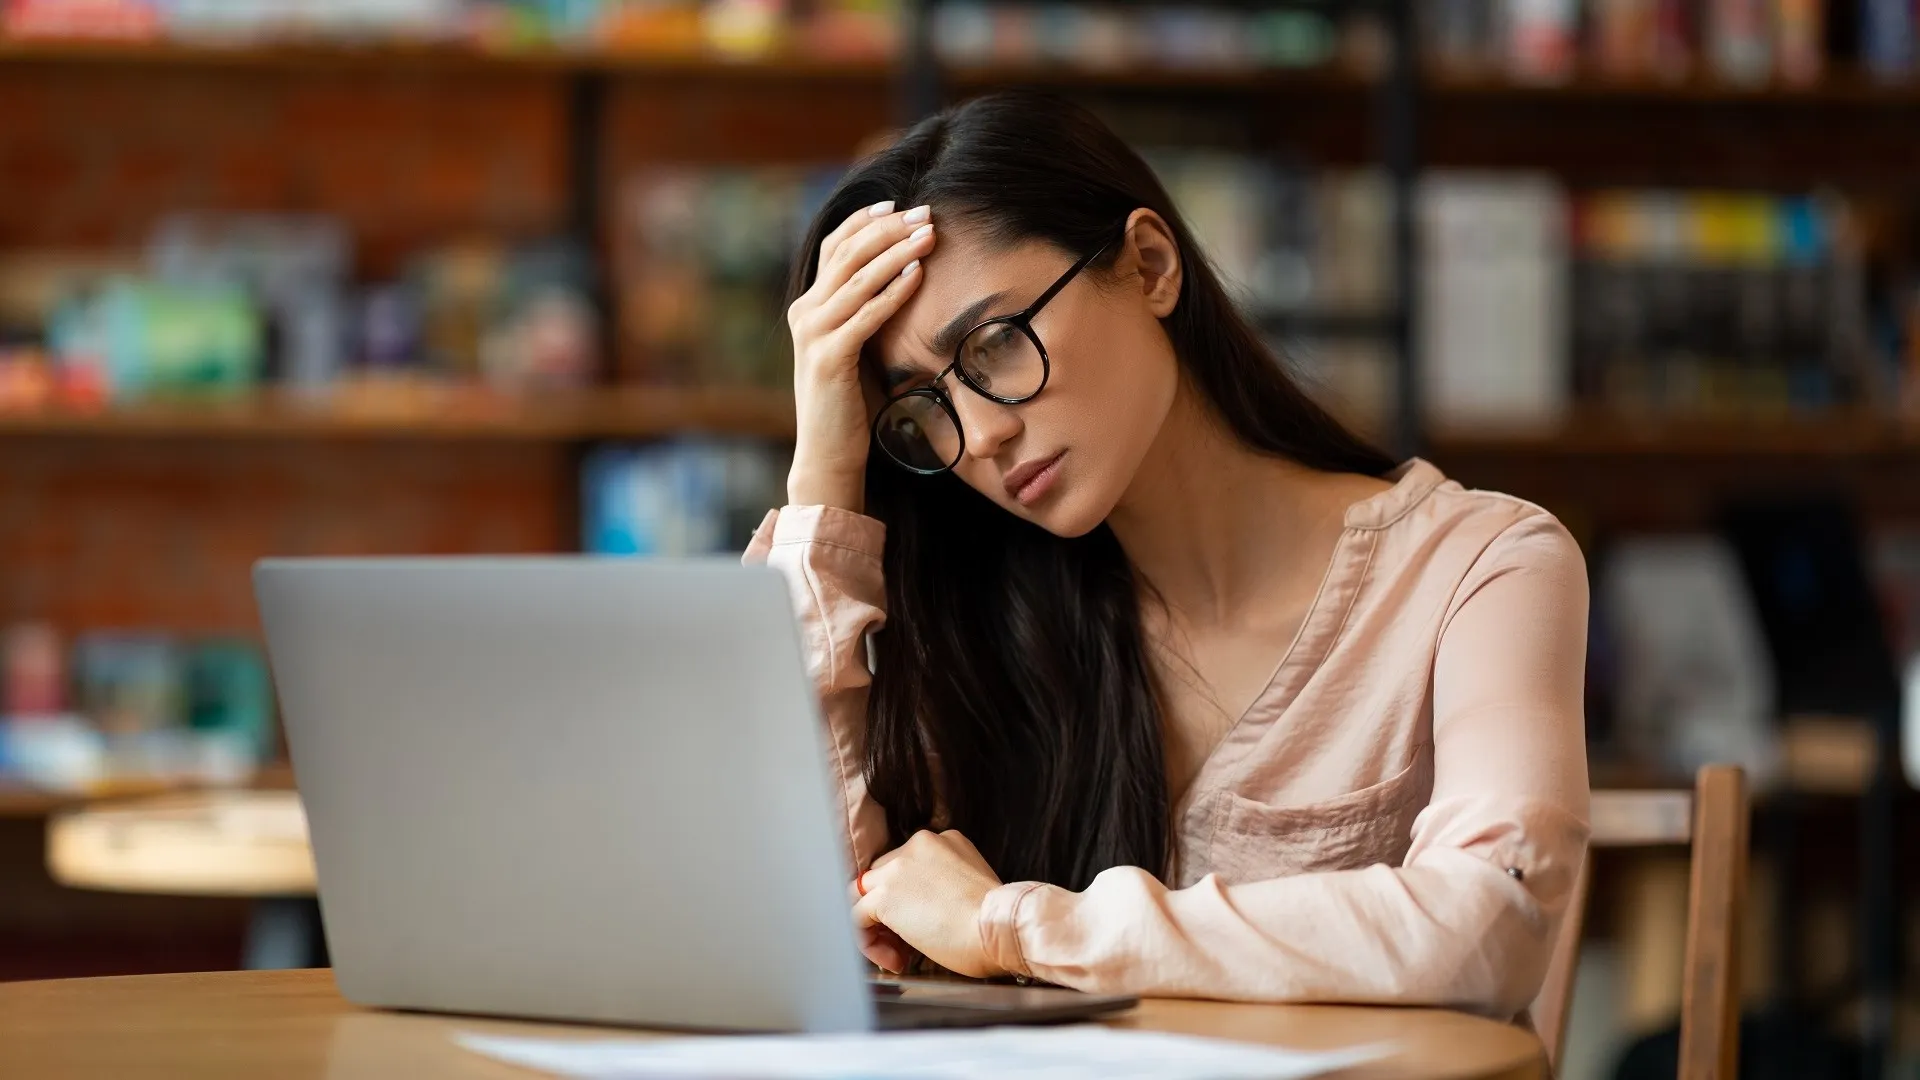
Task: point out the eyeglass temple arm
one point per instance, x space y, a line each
1072 272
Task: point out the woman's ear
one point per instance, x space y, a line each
1155 255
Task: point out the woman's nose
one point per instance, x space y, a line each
987 424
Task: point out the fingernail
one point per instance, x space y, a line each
924 230
880 209
910 269
917 214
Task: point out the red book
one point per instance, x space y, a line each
1674 39
118 20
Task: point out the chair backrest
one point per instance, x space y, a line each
1713 819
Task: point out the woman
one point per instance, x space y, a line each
1141 673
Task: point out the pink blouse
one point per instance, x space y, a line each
1398 816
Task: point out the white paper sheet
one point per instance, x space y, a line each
1052 1053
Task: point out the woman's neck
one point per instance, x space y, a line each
1217 527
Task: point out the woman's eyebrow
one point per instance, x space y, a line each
943 342
948 337
894 377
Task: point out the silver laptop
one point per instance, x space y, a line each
579 789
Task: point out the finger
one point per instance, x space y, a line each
822 287
879 272
840 348
918 839
959 842
866 913
856 221
873 935
878 310
888 957
879 935
885 949
860 248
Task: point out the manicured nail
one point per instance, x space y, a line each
910 269
922 231
880 209
917 215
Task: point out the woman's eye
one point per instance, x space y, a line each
987 347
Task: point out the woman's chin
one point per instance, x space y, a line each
1067 517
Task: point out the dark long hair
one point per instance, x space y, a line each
1012 682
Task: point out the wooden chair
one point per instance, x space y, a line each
1713 819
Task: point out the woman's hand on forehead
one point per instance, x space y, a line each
868 268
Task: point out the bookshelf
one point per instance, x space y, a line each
1412 98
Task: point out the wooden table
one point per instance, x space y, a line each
294 1024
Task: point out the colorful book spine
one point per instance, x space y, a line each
1625 37
1800 30
1543 39
1738 42
1710 302
1674 39
1887 46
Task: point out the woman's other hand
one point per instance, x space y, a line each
928 892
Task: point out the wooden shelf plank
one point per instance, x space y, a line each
979 77
1598 434
1842 87
636 412
655 412
19 801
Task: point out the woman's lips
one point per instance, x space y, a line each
1030 483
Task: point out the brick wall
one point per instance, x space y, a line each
714 120
92 155
102 533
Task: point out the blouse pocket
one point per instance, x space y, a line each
1364 828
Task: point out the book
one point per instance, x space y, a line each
1800 27
1542 39
1494 281
1887 46
1738 42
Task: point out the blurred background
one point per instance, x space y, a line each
464 276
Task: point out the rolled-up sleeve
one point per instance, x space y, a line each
1468 918
831 561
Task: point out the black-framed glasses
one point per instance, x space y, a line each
1001 359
